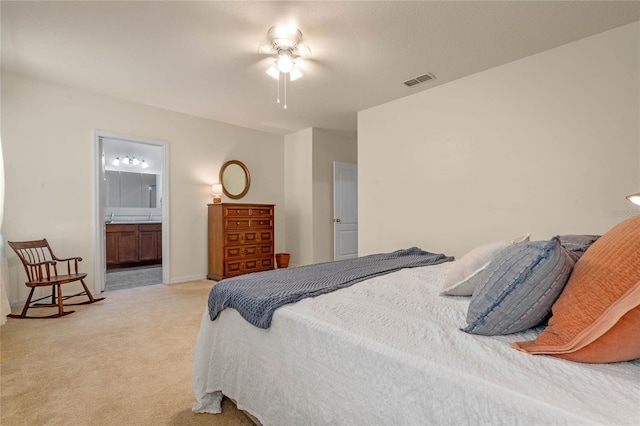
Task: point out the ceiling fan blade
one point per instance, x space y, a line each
266 49
302 50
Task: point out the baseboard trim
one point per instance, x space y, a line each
185 279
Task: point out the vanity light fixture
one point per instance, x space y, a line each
216 191
130 161
634 198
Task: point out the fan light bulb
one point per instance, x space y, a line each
116 162
285 63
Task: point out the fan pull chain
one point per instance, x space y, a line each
285 90
278 96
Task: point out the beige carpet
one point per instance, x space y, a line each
123 361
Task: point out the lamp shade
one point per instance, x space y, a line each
216 191
295 73
634 198
273 70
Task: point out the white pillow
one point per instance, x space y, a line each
464 274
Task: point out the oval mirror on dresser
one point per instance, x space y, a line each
235 179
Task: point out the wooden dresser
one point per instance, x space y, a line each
241 239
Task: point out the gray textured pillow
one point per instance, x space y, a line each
519 287
577 244
465 274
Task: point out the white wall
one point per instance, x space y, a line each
298 152
47 137
548 144
309 157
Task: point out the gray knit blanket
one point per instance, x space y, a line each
256 296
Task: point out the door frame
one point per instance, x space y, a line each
100 263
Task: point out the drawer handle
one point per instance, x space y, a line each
237 223
261 222
238 211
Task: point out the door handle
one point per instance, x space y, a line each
337 220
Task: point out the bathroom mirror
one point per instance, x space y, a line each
125 189
235 179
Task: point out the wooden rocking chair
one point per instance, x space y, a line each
41 266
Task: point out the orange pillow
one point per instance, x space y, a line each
597 316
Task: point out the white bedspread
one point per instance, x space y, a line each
389 351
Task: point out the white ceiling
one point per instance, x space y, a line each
201 58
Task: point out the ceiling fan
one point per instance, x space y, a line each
289 53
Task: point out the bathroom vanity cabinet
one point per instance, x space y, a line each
133 244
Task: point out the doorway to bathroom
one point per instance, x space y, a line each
131 212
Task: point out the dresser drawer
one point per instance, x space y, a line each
261 212
262 236
266 263
248 237
235 268
234 211
261 223
247 251
245 223
237 223
233 252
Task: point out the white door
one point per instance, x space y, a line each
345 210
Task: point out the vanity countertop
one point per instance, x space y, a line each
133 222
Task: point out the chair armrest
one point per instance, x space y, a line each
46 262
79 259
70 261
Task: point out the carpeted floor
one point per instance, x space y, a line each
123 361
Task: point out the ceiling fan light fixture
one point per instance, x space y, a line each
285 44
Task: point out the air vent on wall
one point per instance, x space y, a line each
419 79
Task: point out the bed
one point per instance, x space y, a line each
390 350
